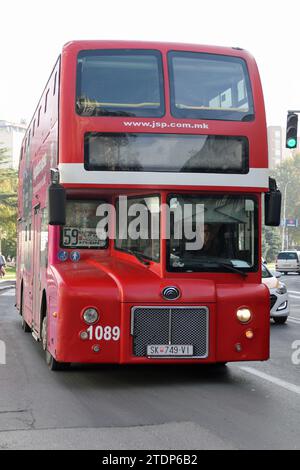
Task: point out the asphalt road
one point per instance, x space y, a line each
240 406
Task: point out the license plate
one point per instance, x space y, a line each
161 350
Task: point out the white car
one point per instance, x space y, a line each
280 307
288 262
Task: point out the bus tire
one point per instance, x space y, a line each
52 363
25 327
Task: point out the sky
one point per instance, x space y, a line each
32 34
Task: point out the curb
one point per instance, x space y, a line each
4 288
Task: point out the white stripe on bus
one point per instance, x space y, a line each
75 173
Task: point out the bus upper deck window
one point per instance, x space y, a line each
210 86
120 83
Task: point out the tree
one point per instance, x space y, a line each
8 202
287 175
271 243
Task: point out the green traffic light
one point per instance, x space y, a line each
291 143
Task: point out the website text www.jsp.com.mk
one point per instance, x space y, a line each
165 125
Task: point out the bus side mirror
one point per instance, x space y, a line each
57 204
273 205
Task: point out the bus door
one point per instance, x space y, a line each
36 261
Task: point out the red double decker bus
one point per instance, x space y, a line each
142 179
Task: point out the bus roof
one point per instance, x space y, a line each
162 46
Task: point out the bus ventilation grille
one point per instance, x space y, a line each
173 325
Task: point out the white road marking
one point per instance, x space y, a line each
270 378
295 321
294 296
293 292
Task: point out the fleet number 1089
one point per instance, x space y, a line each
106 333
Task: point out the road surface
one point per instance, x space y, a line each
240 406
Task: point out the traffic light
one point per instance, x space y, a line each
291 131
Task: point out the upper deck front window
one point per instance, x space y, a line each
120 83
209 86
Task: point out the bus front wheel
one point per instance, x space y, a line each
52 363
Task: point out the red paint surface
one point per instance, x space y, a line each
112 281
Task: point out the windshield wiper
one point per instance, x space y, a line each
218 263
139 256
248 117
97 111
232 268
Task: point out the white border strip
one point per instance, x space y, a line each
293 320
75 173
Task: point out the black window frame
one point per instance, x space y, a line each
39 116
137 198
46 101
161 111
253 269
55 83
209 115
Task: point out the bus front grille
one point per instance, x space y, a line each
170 325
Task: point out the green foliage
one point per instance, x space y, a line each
271 243
8 205
287 176
9 247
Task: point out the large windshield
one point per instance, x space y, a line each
212 233
210 86
119 83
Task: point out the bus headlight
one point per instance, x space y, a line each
90 316
244 315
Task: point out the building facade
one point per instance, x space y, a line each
11 136
275 144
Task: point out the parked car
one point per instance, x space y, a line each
288 262
280 307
